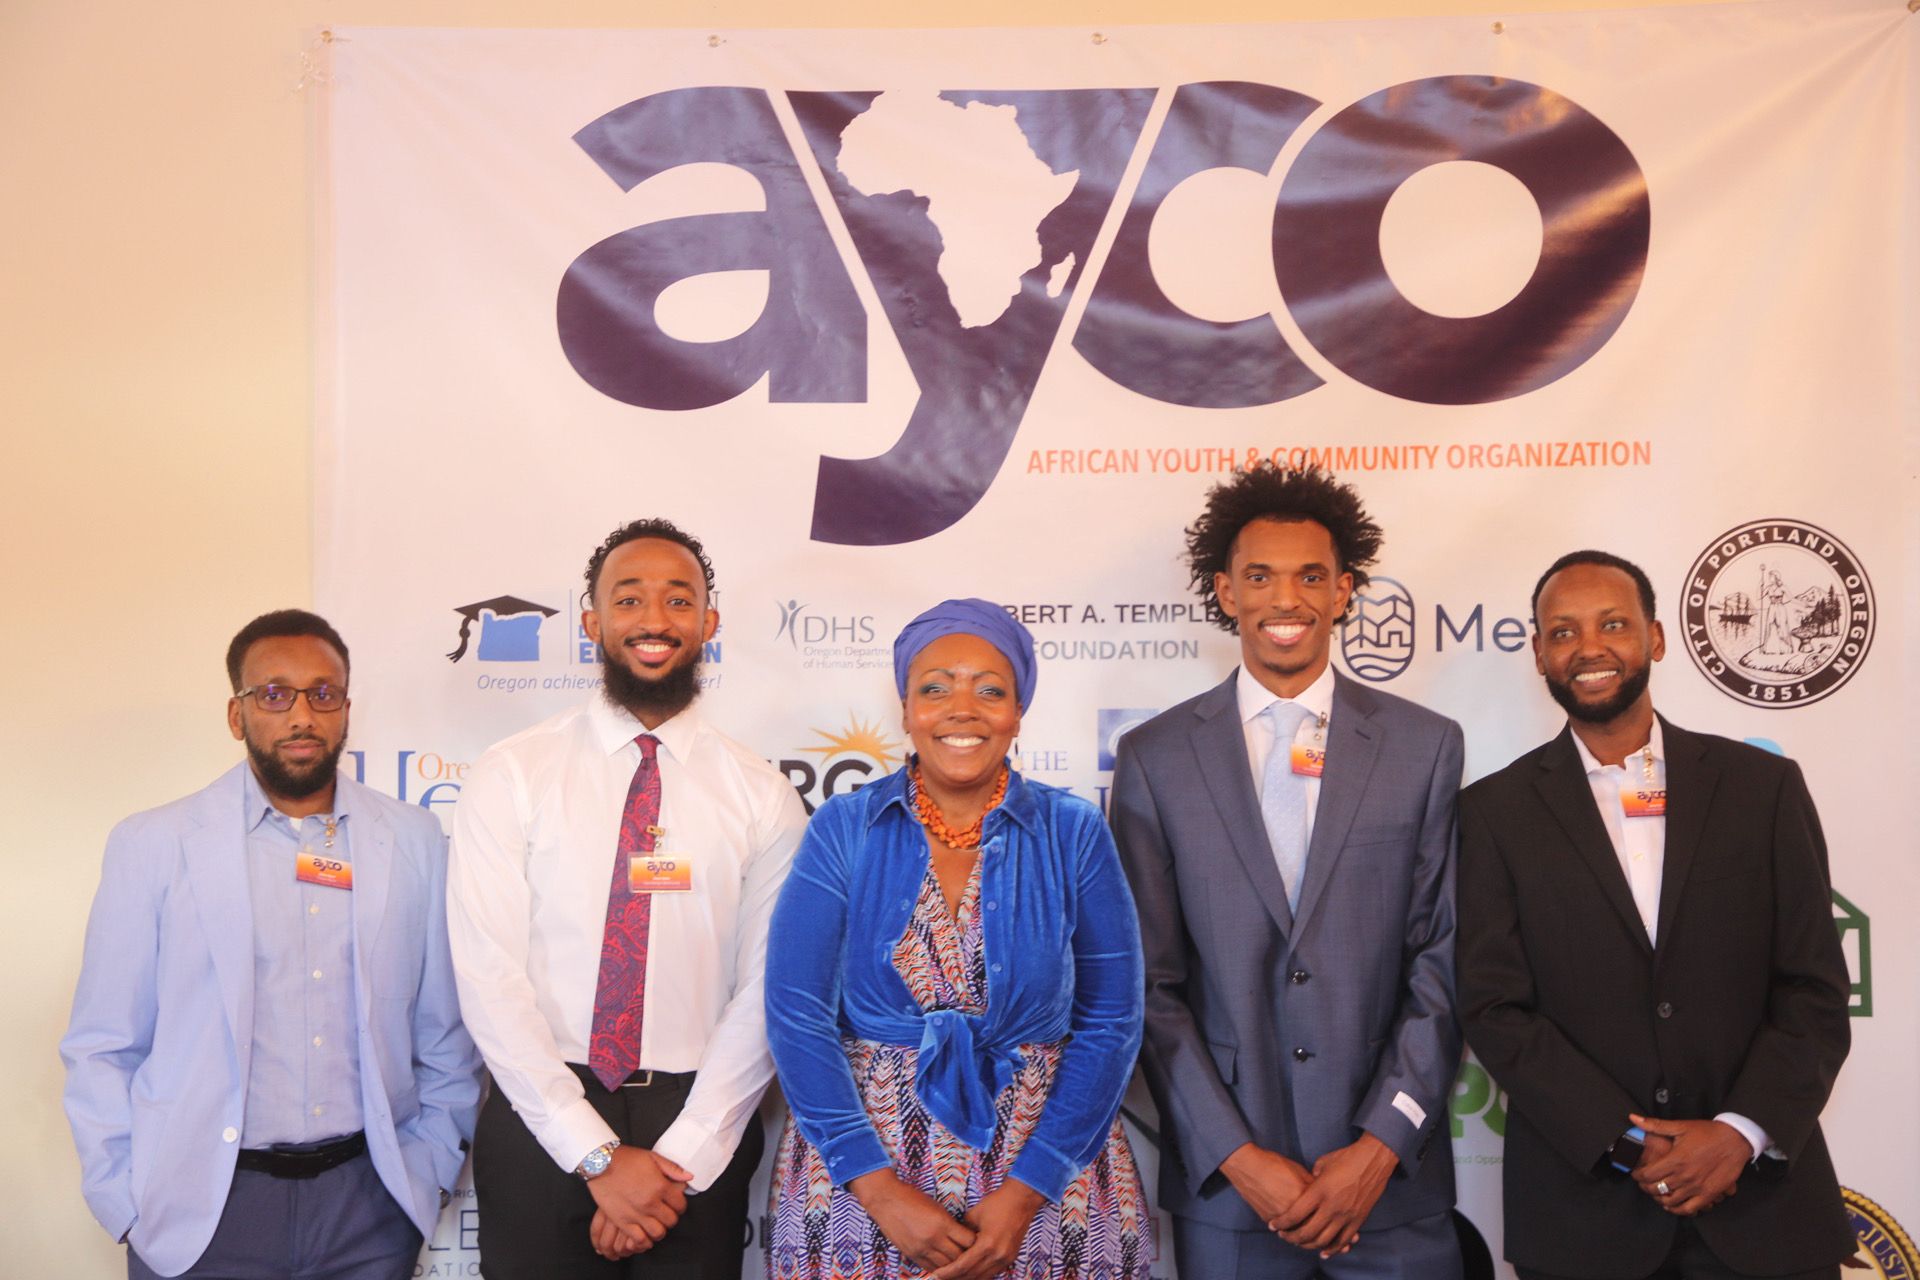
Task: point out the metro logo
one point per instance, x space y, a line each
975 381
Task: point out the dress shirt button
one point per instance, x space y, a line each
313 908
993 906
1298 976
319 1111
1301 1055
317 1041
229 1134
996 968
316 975
1661 1095
1664 1009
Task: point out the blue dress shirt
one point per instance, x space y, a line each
303 1076
1063 958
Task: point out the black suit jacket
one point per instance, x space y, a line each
1741 1007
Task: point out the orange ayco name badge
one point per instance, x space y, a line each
313 868
659 873
1309 759
1644 802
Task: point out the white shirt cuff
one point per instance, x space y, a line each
688 1144
1756 1136
575 1130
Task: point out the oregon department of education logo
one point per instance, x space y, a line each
509 629
1377 639
1778 613
1884 1245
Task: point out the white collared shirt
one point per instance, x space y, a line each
534 842
1254 698
1641 846
1639 843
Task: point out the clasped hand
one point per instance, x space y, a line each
1698 1162
637 1201
1321 1209
982 1245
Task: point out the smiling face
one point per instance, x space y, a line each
1284 588
1594 642
294 752
962 712
651 619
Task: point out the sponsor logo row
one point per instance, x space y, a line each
1776 613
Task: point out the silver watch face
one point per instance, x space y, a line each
595 1162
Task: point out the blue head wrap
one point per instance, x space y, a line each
981 618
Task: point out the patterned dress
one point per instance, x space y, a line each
1097 1231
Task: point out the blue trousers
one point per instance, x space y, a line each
1425 1249
341 1225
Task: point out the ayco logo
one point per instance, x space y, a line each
1778 613
1856 939
976 301
1475 1094
1377 640
848 761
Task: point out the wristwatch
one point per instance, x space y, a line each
595 1162
1627 1149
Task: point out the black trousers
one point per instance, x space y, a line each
1690 1259
534 1215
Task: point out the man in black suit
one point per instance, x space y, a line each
1648 965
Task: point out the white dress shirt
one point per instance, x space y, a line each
1641 846
534 842
1254 698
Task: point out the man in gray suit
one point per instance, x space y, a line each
1290 839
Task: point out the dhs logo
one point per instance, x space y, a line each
1114 723
509 629
800 626
1377 639
1778 613
972 216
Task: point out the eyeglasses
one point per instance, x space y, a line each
280 697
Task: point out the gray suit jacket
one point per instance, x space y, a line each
1296 1032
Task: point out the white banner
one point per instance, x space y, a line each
886 317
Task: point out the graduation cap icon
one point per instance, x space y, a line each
509 629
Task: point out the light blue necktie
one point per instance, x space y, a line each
1283 798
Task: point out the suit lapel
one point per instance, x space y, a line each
1220 744
1352 746
215 853
1690 784
1562 783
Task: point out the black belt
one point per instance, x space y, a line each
638 1080
304 1161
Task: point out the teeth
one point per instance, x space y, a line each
1594 677
963 740
1285 630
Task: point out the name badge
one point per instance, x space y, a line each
1309 758
315 868
1644 802
659 873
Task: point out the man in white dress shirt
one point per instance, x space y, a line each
621 1131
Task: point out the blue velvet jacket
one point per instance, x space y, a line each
1063 963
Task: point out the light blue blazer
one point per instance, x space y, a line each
162 1030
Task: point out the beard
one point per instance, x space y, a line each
291 782
1632 685
664 697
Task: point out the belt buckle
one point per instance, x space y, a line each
638 1080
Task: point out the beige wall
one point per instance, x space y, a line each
155 382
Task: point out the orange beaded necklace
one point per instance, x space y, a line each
930 817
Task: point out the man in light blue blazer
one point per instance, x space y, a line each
266 1071
1290 838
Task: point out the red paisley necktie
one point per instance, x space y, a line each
621 996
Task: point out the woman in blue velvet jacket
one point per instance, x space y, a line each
954 1001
